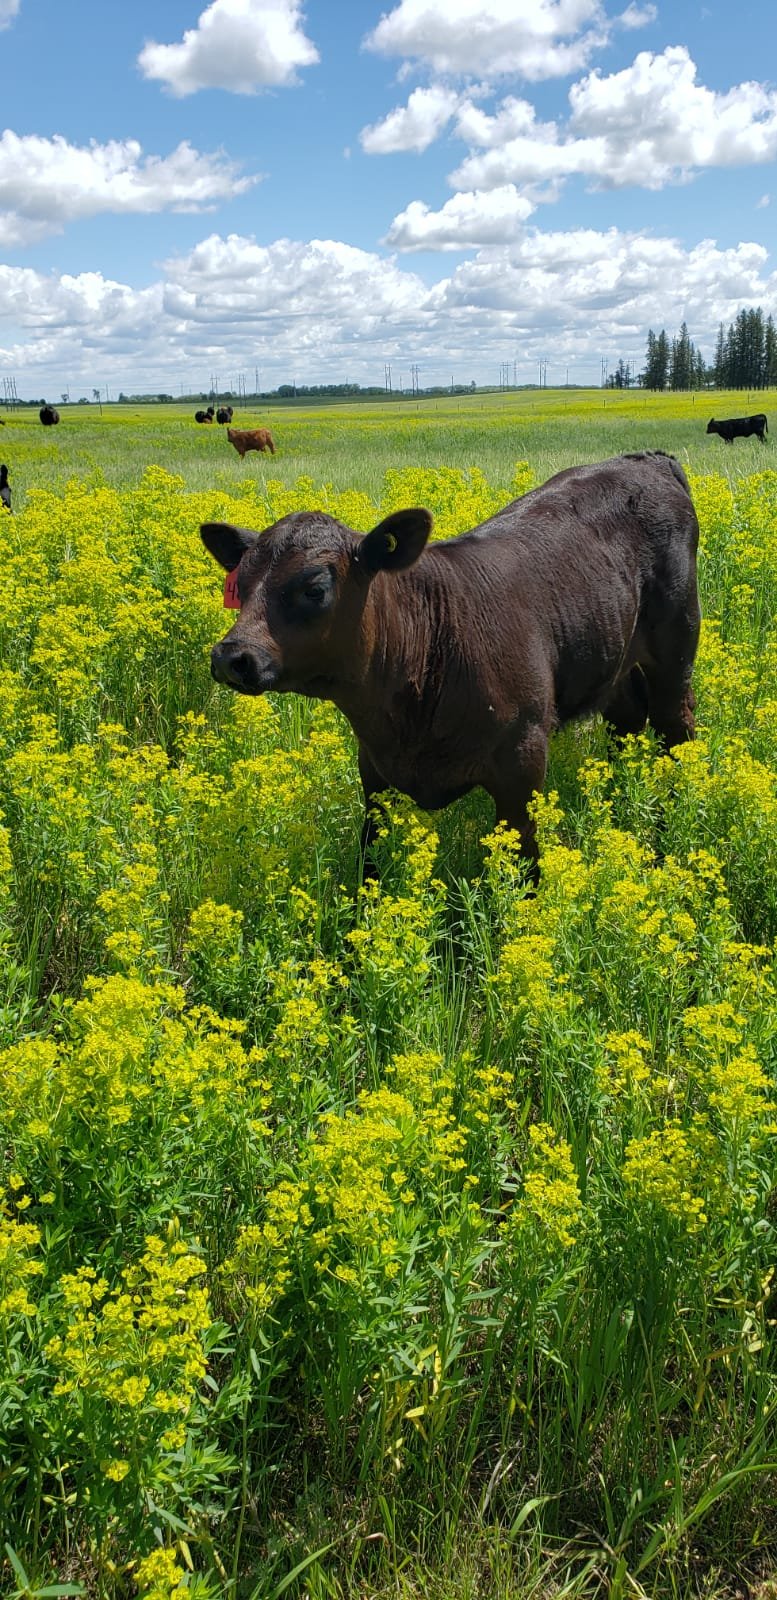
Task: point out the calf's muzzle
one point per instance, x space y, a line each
243 666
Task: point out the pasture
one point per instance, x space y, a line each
417 1240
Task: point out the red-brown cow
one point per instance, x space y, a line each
454 662
251 439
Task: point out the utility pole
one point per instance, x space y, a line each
387 377
414 380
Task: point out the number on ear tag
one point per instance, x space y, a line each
231 596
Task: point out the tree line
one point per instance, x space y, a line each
745 358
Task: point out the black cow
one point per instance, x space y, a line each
48 416
740 427
204 416
454 661
224 414
5 492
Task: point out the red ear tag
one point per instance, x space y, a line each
231 596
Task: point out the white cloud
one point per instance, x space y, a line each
46 183
465 221
322 310
764 201
533 40
636 16
649 125
513 119
238 45
414 126
8 10
290 287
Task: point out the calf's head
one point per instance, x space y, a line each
303 586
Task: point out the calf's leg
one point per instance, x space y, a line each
626 709
521 776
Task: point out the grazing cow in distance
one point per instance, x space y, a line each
224 414
454 661
49 416
740 427
245 439
5 491
204 416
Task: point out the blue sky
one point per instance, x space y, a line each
316 190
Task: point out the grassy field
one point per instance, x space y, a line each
353 446
416 1240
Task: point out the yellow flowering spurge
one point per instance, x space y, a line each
362 1102
624 1066
159 1576
134 918
662 1176
20 1263
306 1028
362 1184
546 1215
392 945
131 1359
214 948
724 1064
458 501
274 812
134 1075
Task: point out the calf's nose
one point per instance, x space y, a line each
242 666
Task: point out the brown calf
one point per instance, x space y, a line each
251 439
454 661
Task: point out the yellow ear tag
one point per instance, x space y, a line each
391 543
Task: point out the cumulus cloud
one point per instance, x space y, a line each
239 45
8 10
321 309
467 220
534 40
637 16
649 125
414 126
309 293
46 183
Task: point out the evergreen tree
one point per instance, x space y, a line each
770 353
681 365
656 361
719 362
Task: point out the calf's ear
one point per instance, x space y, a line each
396 542
227 544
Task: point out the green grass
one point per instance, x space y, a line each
352 446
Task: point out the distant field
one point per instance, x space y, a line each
352 446
415 1241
